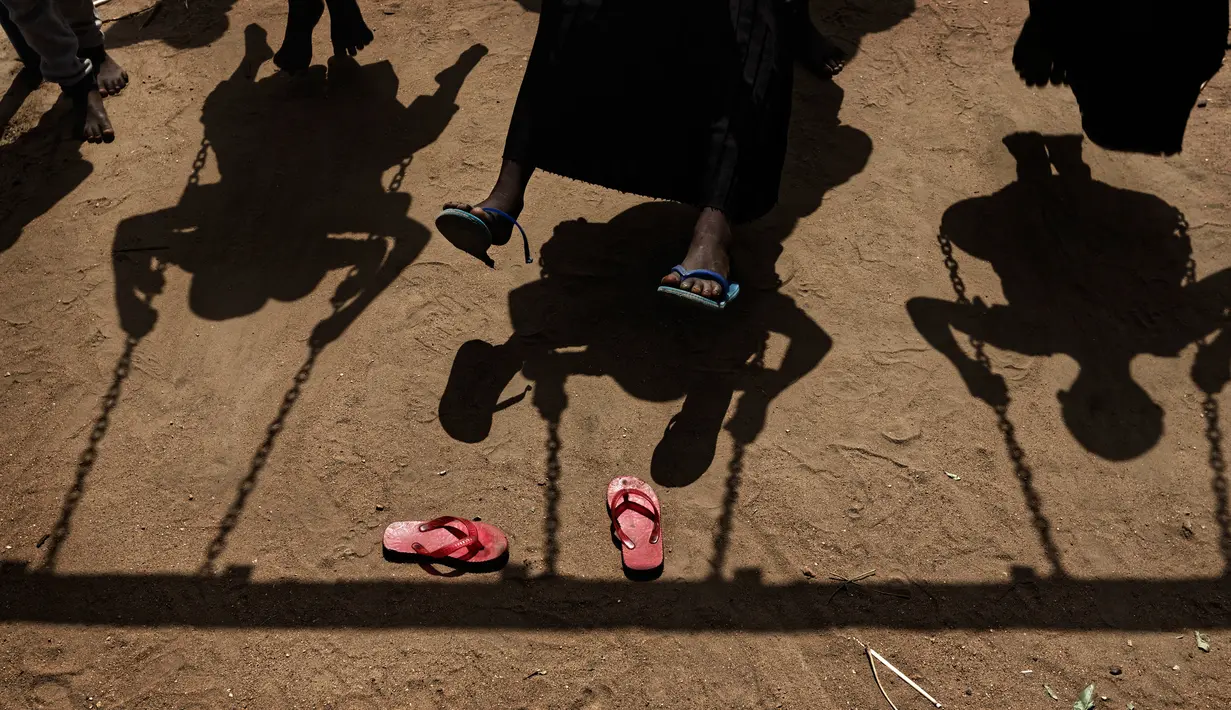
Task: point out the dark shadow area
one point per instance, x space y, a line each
300 162
24 83
178 24
1090 271
595 312
38 169
391 135
27 79
1094 272
1096 49
744 603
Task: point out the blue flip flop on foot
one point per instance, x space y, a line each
470 233
729 290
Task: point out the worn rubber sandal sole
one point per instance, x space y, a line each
694 299
399 539
646 556
467 232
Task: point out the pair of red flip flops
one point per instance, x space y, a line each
474 546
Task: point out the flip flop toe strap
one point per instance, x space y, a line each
468 540
704 274
629 504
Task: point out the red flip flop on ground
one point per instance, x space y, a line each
464 545
636 522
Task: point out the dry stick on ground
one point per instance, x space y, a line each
873 655
845 583
877 678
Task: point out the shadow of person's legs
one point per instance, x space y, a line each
691 438
37 170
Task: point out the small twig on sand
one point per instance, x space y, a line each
846 584
874 655
877 678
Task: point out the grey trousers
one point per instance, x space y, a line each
58 30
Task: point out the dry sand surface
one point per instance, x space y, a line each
192 518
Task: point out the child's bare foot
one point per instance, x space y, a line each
347 30
89 117
110 75
710 241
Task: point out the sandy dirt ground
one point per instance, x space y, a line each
225 340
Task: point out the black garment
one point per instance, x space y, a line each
27 55
686 100
1136 67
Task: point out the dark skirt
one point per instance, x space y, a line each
684 100
1136 67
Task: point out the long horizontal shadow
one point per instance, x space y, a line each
743 603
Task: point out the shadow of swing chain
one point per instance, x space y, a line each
551 499
261 458
1017 455
85 463
123 368
1213 435
735 472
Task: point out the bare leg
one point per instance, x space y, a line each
86 25
711 243
301 18
111 77
347 30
